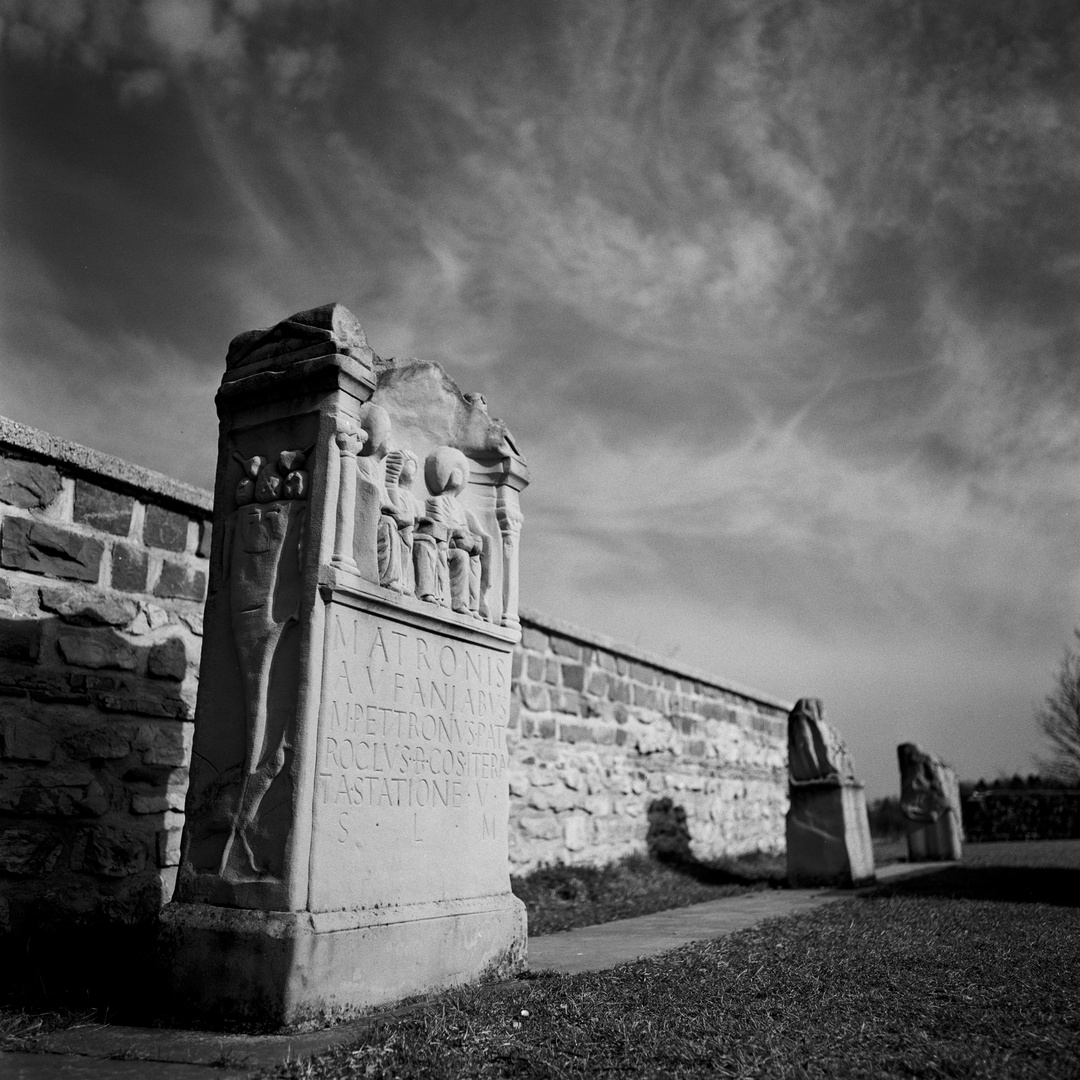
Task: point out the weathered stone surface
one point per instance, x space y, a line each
97 742
102 509
815 749
23 737
206 534
181 581
114 852
129 568
97 647
86 608
27 851
167 660
165 529
20 639
415 491
43 548
30 485
930 800
828 832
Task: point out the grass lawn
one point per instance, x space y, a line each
974 972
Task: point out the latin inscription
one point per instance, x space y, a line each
412 724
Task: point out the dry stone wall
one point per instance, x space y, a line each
615 751
103 571
102 584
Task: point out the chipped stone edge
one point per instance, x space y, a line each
39 444
643 656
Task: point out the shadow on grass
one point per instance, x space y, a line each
1016 885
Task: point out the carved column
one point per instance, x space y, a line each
349 440
510 518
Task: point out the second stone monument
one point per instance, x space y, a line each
828 832
346 834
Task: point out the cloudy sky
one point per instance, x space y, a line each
781 299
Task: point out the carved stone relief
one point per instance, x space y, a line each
438 551
815 750
263 555
925 785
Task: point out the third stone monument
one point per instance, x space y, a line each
346 834
930 801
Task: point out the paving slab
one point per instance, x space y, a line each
207 1048
598 948
20 1066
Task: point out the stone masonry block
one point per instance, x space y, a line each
568 701
564 647
165 706
534 639
598 683
156 803
164 744
97 647
41 547
516 664
169 847
573 676
648 697
535 696
82 607
129 567
115 852
577 832
540 827
180 581
620 691
97 742
168 660
31 851
28 484
540 729
102 509
206 535
575 733
25 738
642 673
165 529
714 710
20 639
535 667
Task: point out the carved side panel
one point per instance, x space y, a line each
240 807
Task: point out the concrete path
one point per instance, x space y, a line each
112 1052
598 948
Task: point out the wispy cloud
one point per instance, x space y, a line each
780 299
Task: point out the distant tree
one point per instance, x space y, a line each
1058 717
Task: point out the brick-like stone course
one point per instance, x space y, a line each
608 741
100 625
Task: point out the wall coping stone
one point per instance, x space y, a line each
94 465
643 656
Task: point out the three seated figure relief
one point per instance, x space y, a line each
437 550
